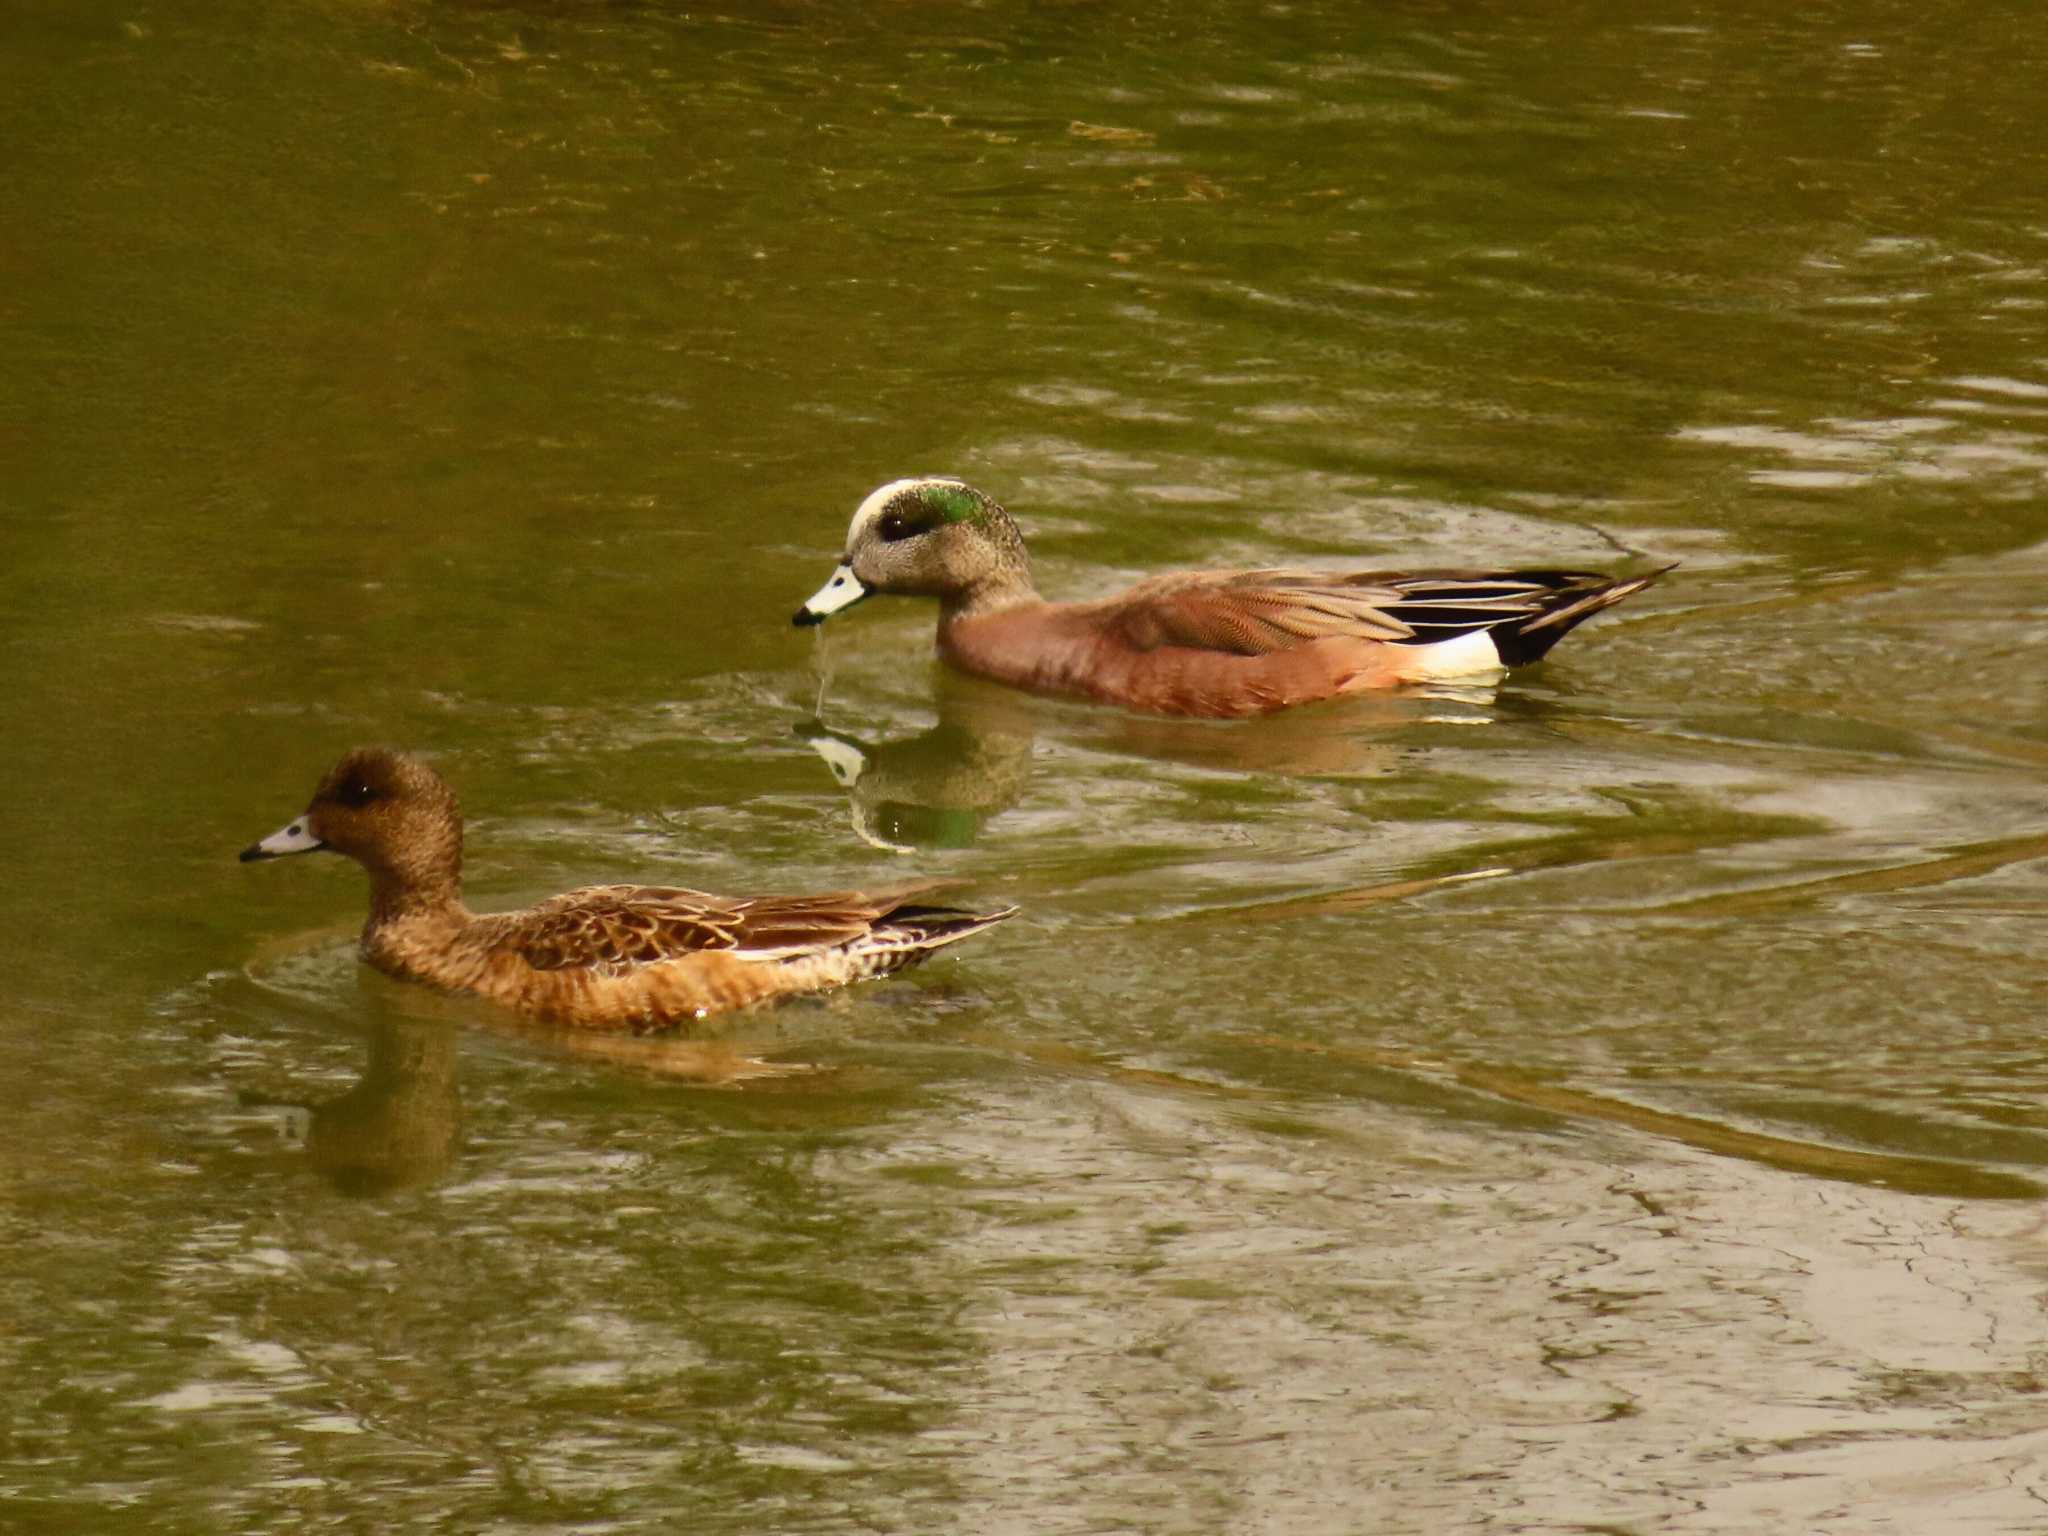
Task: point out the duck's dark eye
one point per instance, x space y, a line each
355 794
895 526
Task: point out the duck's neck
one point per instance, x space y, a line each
998 592
410 897
413 925
1003 579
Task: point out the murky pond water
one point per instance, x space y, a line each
1616 1100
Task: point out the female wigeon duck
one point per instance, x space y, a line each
1216 643
609 957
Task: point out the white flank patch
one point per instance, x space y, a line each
1467 654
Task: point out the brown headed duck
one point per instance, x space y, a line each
609 957
1217 643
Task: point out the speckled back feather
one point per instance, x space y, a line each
614 930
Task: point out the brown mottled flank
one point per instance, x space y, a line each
608 957
1223 643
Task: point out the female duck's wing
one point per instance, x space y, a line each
1254 613
616 929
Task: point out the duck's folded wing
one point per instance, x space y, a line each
614 929
1253 613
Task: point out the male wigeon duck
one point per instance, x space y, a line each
607 957
1215 643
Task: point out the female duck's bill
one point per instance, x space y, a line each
842 591
296 838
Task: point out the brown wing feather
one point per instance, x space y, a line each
614 929
1253 613
618 928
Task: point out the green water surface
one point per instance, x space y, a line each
494 380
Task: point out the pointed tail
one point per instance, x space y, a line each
1529 640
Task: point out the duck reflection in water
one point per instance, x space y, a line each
936 788
399 1126
939 787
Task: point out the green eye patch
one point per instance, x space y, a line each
954 503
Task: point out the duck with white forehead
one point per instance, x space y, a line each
1206 643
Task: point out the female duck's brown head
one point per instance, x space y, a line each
929 537
389 812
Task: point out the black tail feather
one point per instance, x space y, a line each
940 925
1530 639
